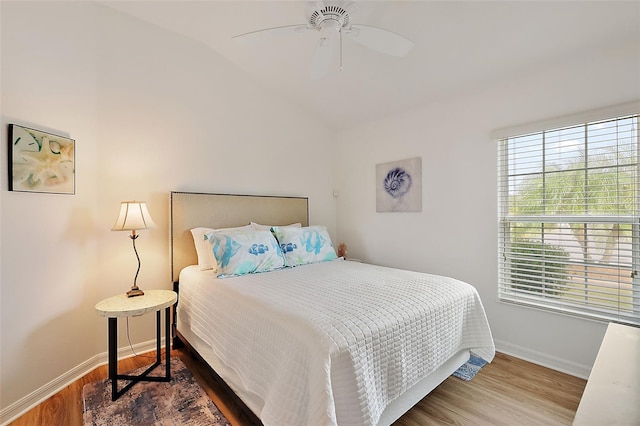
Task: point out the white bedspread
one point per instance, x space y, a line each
336 341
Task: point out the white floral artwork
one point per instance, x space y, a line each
399 186
40 161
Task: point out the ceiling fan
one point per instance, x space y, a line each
332 22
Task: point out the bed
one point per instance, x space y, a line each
332 342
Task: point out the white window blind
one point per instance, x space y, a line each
569 231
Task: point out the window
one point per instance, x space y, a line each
569 221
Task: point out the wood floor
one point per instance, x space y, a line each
509 391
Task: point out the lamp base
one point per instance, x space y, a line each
135 292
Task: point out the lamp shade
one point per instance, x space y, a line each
133 215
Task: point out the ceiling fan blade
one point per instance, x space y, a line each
260 35
322 58
380 40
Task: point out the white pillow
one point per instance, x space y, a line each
259 227
203 248
245 251
311 244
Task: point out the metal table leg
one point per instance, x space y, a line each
143 377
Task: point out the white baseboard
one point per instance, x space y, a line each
18 408
545 360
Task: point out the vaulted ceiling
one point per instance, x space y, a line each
458 46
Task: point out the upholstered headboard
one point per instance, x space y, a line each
191 210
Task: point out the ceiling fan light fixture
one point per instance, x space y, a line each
330 27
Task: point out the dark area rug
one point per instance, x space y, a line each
179 402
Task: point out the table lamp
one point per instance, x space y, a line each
133 216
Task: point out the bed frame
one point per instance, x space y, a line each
191 209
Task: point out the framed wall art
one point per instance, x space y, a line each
40 161
399 186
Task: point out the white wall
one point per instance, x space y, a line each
50 243
150 112
456 232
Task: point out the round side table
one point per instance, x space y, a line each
123 306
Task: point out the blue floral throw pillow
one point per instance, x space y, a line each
240 252
311 244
